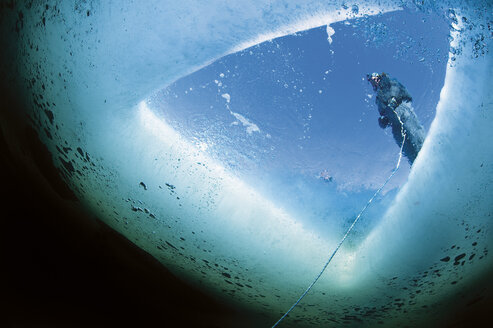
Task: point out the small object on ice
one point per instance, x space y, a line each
250 127
143 185
135 209
226 96
324 175
170 186
330 33
459 257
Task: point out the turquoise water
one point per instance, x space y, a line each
236 145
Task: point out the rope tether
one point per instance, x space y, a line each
352 225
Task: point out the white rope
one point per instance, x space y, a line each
352 225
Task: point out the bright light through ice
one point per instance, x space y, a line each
232 188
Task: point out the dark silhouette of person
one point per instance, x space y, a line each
395 108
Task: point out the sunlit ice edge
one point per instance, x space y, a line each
287 229
241 209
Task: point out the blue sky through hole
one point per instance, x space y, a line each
287 114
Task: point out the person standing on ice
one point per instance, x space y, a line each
395 108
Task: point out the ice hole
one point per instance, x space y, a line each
296 118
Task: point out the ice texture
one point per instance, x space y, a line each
100 73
